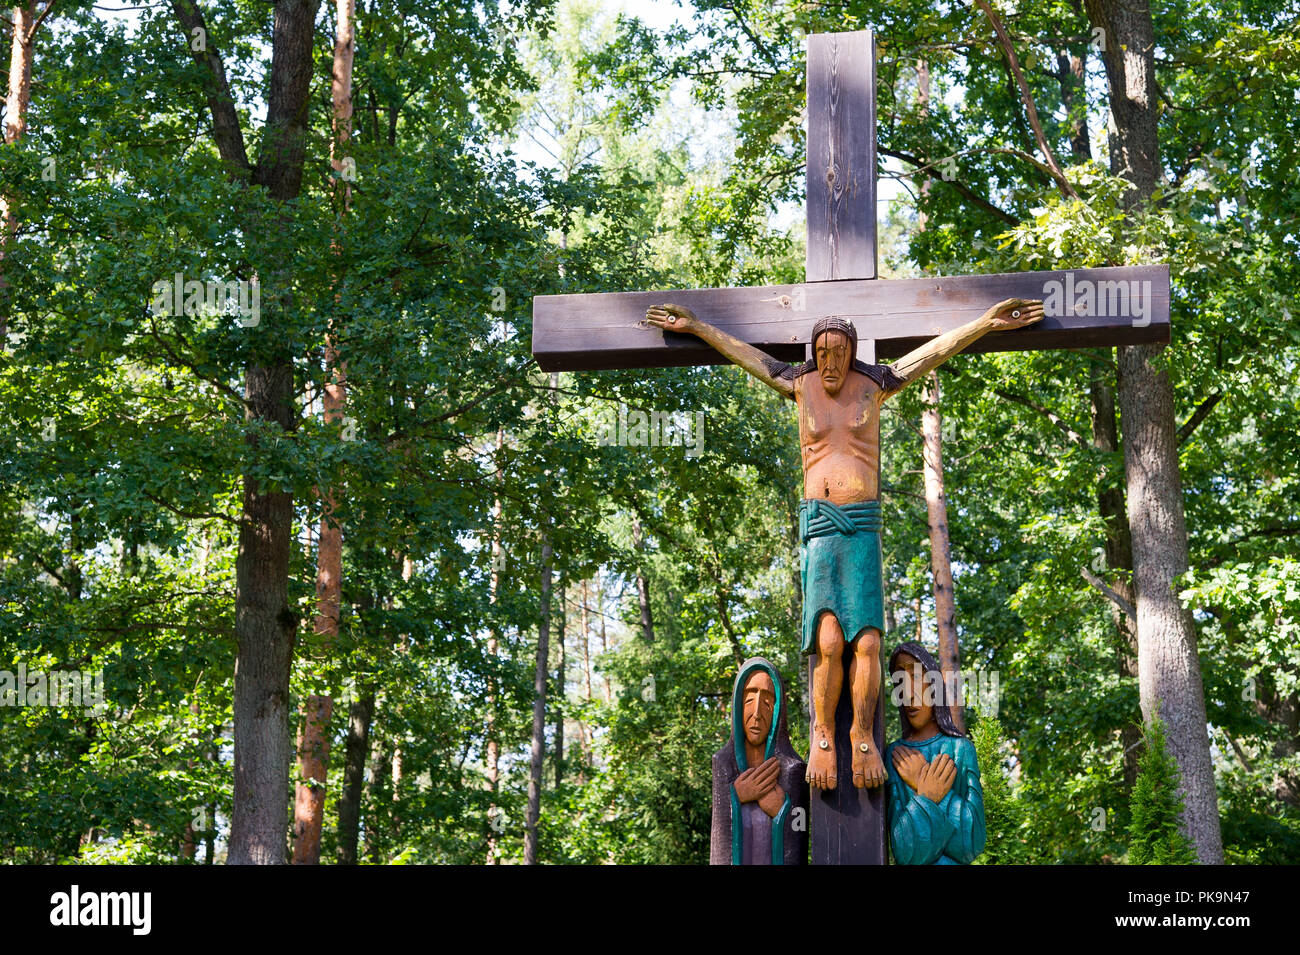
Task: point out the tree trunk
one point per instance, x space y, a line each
493 746
16 102
642 583
604 643
360 714
540 678
265 628
586 644
314 736
936 505
561 683
1118 554
20 72
1169 671
381 759
1071 75
264 624
936 501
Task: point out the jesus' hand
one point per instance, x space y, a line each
1014 313
672 318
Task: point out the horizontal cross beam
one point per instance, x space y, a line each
1085 308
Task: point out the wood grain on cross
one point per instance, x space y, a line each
1084 308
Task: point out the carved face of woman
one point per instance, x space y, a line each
760 700
834 355
917 704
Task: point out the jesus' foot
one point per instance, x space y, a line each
868 769
821 759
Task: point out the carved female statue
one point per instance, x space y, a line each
760 796
936 805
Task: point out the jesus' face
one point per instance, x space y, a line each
834 354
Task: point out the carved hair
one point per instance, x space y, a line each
833 323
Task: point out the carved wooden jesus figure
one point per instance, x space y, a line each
839 518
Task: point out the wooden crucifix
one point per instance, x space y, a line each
838 323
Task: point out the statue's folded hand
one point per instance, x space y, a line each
908 763
757 781
772 801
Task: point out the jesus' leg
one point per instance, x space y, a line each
864 688
828 676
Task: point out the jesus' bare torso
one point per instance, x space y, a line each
839 437
839 403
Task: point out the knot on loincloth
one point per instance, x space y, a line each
818 518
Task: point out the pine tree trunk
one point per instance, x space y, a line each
936 505
642 584
314 736
493 756
561 684
17 100
540 679
1169 670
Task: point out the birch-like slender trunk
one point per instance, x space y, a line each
17 100
540 679
936 505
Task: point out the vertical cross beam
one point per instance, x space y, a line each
847 824
841 156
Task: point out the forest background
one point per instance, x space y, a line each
382 397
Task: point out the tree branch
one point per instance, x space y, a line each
961 187
1074 436
1027 98
1200 414
192 515
1129 610
31 34
183 363
226 131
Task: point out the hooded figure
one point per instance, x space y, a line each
760 796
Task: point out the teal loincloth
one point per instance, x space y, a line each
842 570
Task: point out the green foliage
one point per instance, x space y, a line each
1004 814
1155 831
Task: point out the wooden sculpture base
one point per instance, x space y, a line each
848 825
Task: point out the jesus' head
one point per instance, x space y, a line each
834 342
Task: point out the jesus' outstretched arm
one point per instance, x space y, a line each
675 318
916 364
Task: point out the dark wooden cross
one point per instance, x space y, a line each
1084 308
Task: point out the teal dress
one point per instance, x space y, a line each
950 832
